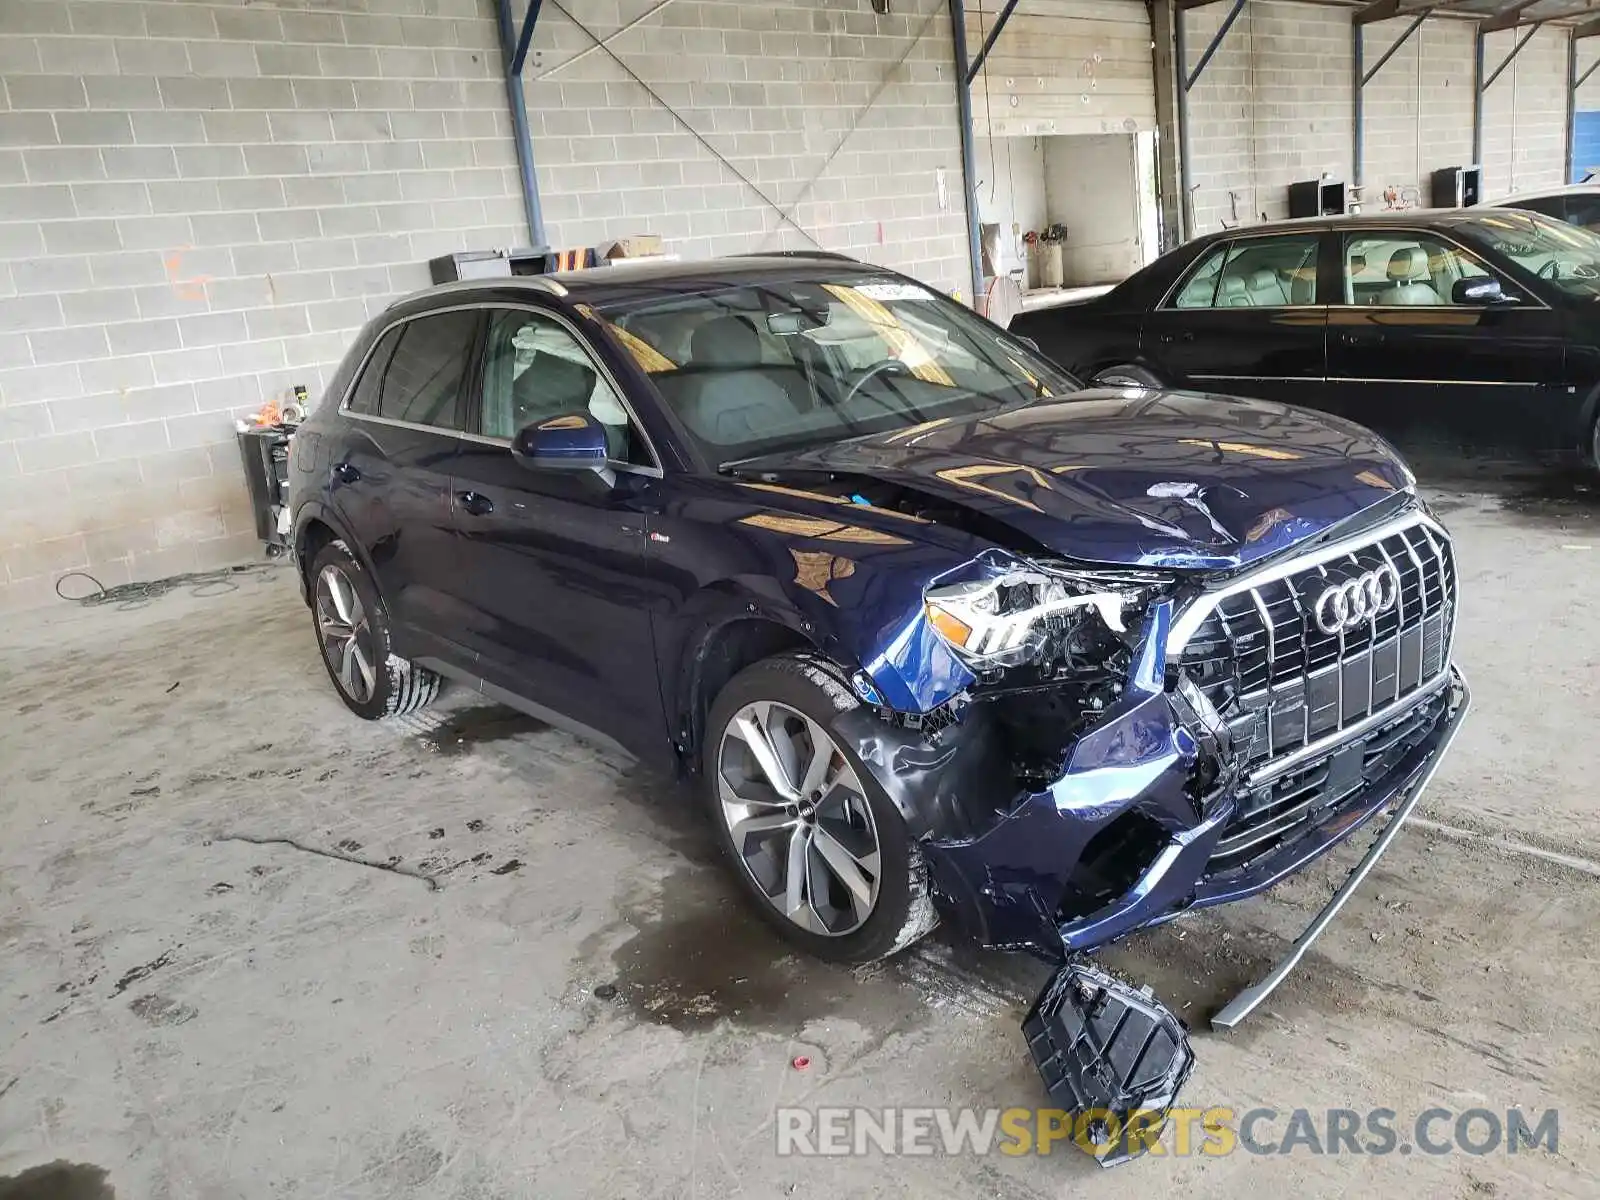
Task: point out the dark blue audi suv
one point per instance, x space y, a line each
937 631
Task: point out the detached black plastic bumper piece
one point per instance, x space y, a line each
1112 1055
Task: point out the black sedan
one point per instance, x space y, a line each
1478 326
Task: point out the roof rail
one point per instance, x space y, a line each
831 254
539 283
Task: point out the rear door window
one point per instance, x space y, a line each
1259 272
422 385
364 400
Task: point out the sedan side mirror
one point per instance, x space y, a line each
1480 290
570 442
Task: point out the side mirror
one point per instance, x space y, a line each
570 442
1480 290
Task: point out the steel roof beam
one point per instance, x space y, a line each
1398 42
1509 17
1193 76
1515 50
988 42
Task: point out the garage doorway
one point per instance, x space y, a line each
1101 187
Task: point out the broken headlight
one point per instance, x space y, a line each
1008 619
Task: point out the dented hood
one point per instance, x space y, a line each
1132 477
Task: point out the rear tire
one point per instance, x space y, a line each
353 634
1127 375
824 854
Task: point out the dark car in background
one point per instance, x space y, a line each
1478 327
934 631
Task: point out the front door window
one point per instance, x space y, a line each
1402 269
535 368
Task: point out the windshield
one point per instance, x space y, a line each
778 366
1565 256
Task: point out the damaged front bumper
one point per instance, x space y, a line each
1125 840
1120 842
1115 1057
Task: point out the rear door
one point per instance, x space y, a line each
1404 357
391 484
557 563
1245 320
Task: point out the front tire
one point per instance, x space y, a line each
1127 375
353 635
819 847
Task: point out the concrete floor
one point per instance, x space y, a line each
203 1016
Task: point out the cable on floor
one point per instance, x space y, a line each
136 595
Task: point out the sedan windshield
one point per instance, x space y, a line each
1565 256
763 367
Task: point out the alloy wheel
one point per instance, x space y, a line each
346 633
798 819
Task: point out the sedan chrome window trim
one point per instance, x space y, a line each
1517 383
1265 378
653 469
1191 618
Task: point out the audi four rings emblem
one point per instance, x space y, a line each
1347 606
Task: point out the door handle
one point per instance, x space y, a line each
1361 339
346 472
1168 338
476 503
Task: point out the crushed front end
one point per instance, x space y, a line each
1191 748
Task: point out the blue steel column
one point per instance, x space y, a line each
1180 51
969 165
1358 128
1477 99
514 52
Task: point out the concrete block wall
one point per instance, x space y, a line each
1588 97
1419 107
1275 106
1525 113
735 127
199 202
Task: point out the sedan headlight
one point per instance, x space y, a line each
1006 620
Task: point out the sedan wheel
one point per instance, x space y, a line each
348 643
798 819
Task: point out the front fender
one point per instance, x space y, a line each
845 577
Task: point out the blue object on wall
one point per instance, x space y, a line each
1585 145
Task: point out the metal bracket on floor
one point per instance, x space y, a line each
1186 81
1358 126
